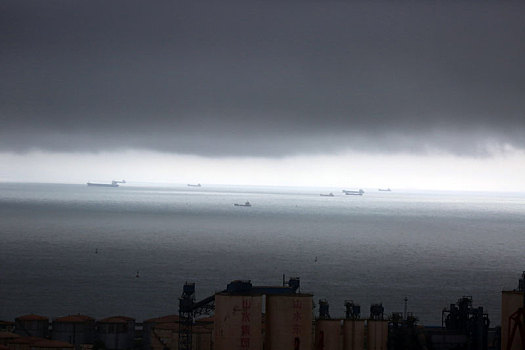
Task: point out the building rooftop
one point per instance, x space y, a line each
116 319
48 343
32 317
164 319
209 319
8 335
26 340
167 326
74 319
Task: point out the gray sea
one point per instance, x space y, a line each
67 249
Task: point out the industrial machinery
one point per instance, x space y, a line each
517 319
471 322
324 307
352 311
189 308
403 332
377 311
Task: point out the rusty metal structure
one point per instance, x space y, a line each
517 319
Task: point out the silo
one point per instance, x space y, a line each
149 324
328 335
377 335
32 325
511 301
289 322
238 322
74 329
354 334
117 332
164 336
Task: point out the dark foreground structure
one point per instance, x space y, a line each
244 316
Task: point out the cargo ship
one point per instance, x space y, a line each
327 195
385 189
247 204
112 184
354 193
192 185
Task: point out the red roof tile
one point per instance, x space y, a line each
206 319
163 319
8 335
74 319
167 326
116 319
25 340
48 343
32 317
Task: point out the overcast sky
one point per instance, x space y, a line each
264 81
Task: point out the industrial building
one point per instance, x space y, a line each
245 316
352 332
289 322
238 320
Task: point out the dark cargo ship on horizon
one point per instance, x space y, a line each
112 184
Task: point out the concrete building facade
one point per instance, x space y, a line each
289 322
377 334
328 335
353 334
238 322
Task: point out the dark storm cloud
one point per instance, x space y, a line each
264 78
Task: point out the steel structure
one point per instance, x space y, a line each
352 311
464 319
377 311
324 313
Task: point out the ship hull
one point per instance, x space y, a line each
102 185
